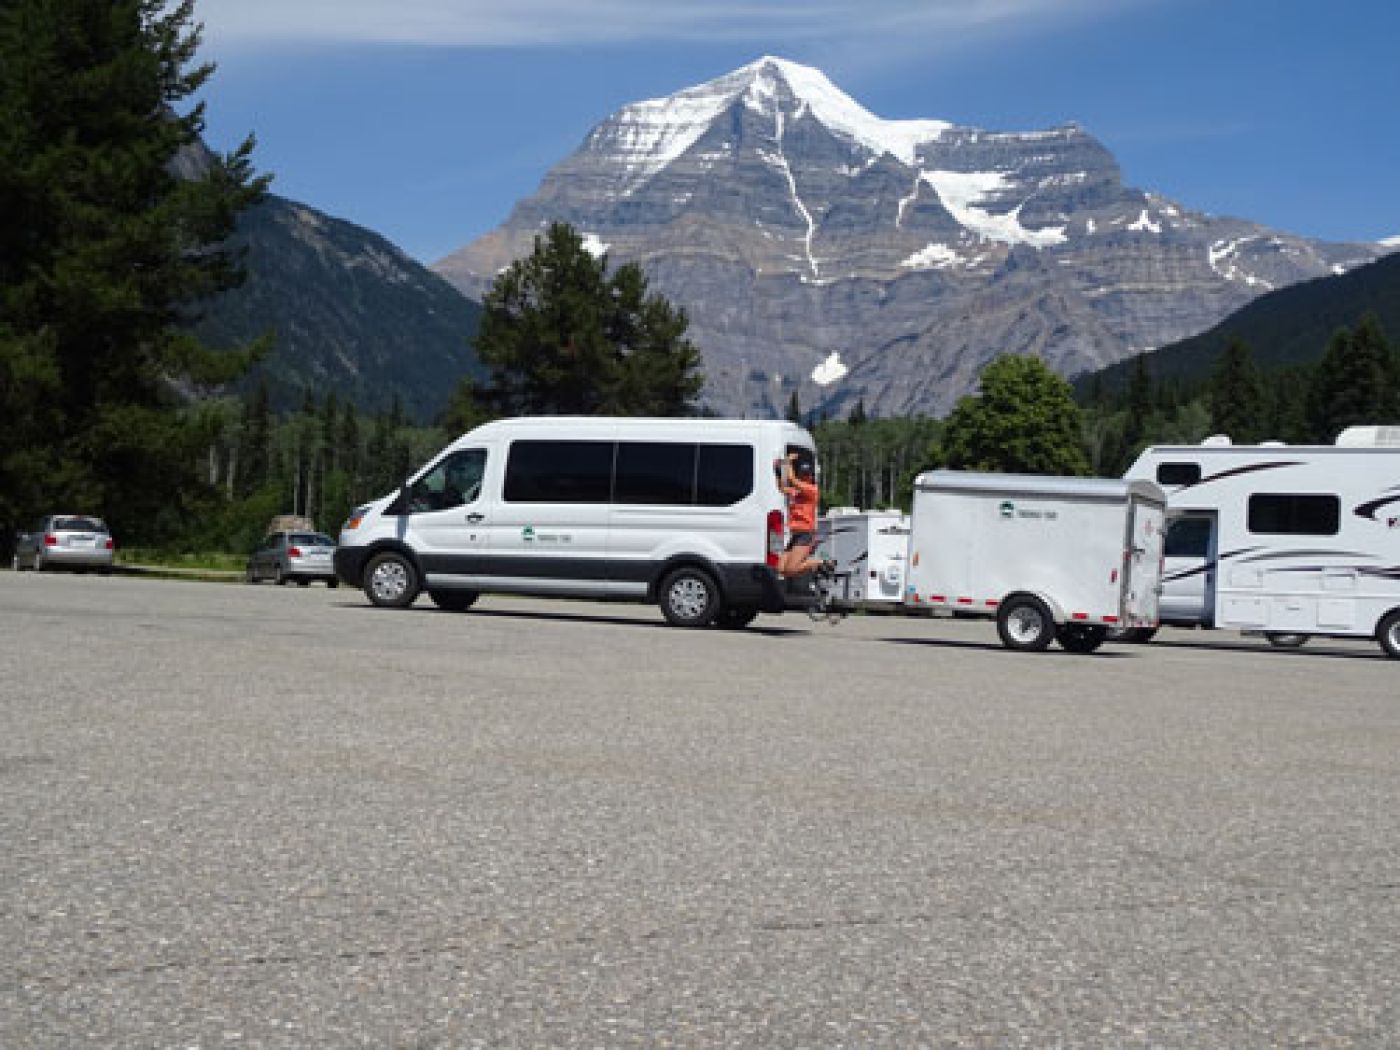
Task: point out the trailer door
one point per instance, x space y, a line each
1142 562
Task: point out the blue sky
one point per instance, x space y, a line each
425 120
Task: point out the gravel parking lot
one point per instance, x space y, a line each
258 816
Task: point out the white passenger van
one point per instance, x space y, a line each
1284 540
686 513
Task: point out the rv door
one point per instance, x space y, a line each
1189 574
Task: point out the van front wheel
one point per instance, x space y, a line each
391 581
689 598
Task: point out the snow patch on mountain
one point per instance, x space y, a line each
962 191
1391 242
829 371
595 245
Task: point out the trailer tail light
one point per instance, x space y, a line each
1110 619
50 540
775 538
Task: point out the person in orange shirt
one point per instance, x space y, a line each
797 480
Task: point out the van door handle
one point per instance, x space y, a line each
475 517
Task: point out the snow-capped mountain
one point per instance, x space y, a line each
817 246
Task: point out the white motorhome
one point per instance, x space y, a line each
1050 558
686 513
870 549
1285 540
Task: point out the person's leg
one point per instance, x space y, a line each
797 560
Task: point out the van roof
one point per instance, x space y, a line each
611 426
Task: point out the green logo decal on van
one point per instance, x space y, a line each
528 533
1008 509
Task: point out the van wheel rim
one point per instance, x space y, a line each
689 597
389 581
1025 624
1393 635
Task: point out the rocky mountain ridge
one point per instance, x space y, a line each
822 249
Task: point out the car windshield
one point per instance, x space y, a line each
78 525
311 539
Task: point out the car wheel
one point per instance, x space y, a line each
1025 624
453 601
689 598
736 617
1136 635
1388 633
391 581
332 582
1080 637
14 563
303 583
249 575
1286 639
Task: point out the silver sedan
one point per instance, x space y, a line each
300 556
68 541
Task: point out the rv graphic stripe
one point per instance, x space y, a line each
1247 469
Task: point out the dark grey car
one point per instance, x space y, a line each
287 556
69 541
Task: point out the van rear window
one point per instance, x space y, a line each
655 473
725 475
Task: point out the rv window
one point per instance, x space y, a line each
725 475
559 472
655 473
1293 514
1178 473
1188 538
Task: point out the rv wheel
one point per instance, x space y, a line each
1388 634
1025 624
1286 640
689 598
391 581
1080 637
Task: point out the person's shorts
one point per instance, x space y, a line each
802 539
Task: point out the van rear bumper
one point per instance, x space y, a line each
761 586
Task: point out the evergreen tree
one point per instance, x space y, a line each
794 410
1236 396
1024 420
857 416
562 337
102 248
1352 384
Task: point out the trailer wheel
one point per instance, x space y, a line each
1286 639
689 598
736 617
1025 624
454 600
1135 635
1388 633
391 581
1080 637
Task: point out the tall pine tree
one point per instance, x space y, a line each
1236 396
102 250
1352 384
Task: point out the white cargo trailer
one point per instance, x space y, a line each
871 551
1050 558
1284 540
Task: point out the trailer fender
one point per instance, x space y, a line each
1057 611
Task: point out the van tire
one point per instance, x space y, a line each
1286 639
1388 633
391 581
1080 637
1025 624
453 601
689 598
736 617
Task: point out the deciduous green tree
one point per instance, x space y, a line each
1023 420
562 336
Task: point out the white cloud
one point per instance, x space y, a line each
544 22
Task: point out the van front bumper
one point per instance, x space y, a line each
349 564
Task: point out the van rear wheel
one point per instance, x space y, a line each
1025 624
689 598
391 581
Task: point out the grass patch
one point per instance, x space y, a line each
208 561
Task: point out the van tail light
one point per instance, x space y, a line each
294 552
775 538
50 540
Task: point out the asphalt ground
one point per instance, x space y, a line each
252 816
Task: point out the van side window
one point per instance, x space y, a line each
1293 514
1178 473
451 483
559 472
1188 538
655 473
724 476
